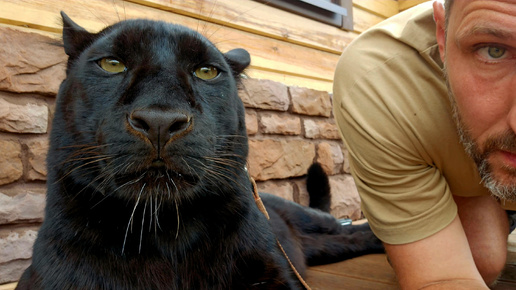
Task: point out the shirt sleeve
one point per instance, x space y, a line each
383 106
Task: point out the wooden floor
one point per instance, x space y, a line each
373 272
366 272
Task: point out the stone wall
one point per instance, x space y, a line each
289 128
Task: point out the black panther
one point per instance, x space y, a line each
147 184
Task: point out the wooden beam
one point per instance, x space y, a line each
10 286
269 54
54 35
260 19
363 19
384 8
406 4
252 71
290 80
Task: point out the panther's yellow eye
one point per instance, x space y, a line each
112 65
206 72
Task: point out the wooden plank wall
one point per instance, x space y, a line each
285 47
406 4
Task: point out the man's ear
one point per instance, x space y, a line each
440 28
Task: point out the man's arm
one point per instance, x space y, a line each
441 261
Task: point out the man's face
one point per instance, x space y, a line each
479 52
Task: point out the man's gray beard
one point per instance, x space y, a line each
496 187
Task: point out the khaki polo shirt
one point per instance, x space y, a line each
393 111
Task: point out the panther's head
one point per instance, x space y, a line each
147 107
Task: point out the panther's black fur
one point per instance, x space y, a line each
147 186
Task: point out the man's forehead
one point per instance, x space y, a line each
496 18
464 7
462 2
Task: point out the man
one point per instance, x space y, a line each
435 172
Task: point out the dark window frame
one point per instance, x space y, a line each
338 13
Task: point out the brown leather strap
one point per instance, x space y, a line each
262 208
293 268
258 200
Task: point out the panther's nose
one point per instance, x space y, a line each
159 126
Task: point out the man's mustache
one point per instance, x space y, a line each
505 141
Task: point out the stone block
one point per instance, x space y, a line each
23 118
321 129
31 63
12 271
24 207
264 94
330 156
16 244
279 188
345 201
251 122
277 159
11 166
303 197
283 124
310 102
346 166
38 150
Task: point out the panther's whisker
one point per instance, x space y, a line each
132 216
156 214
225 161
222 173
224 178
190 168
81 166
176 203
84 146
173 183
95 15
168 188
150 215
113 3
226 172
105 176
113 171
143 224
178 220
92 151
87 158
127 166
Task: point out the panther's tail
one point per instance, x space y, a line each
318 186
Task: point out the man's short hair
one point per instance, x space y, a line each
447 9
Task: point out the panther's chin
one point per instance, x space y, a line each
157 181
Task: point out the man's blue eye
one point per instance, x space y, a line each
495 52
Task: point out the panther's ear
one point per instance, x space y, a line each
238 59
75 38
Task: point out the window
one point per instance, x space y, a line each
334 12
